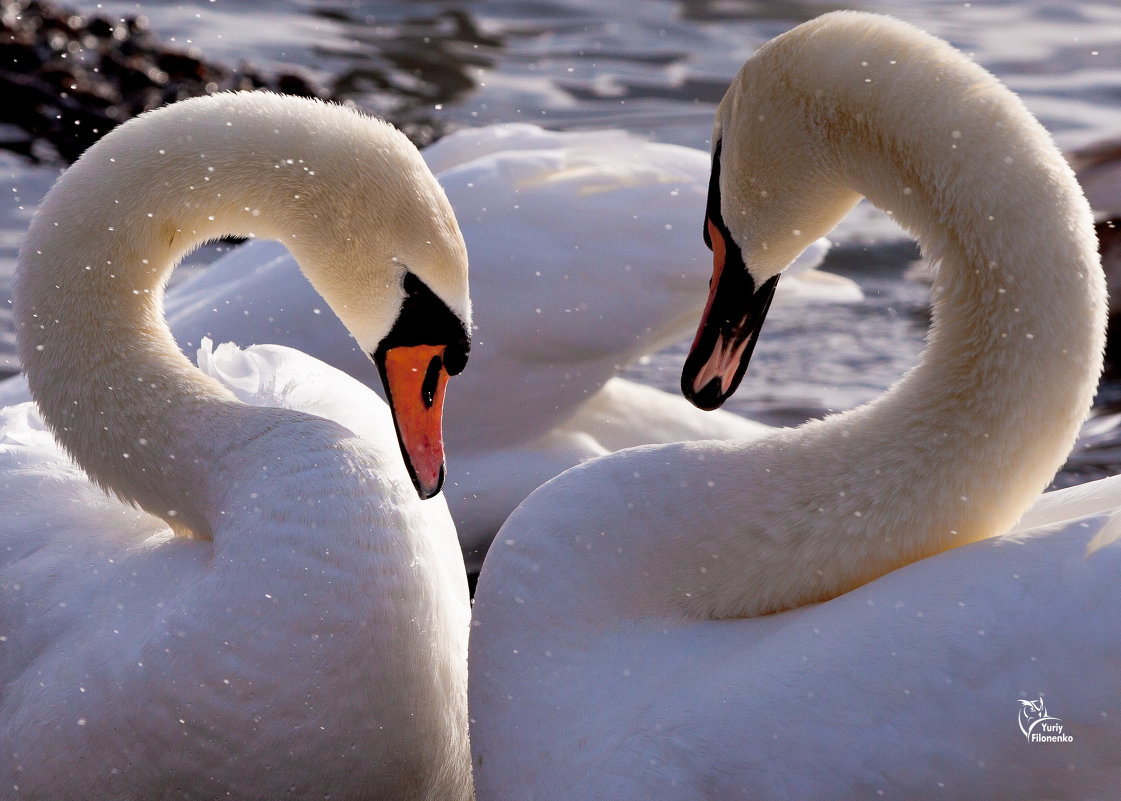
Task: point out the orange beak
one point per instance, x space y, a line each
415 378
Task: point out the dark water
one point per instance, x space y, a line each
652 67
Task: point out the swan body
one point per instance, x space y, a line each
490 485
273 610
556 311
908 685
627 600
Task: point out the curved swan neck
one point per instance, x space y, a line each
99 358
1019 308
962 445
850 105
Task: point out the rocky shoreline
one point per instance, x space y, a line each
69 78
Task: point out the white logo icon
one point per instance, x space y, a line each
1038 726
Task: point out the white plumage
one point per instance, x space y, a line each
626 602
286 616
584 257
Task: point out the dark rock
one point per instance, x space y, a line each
67 79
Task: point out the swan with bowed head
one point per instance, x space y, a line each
793 617
285 615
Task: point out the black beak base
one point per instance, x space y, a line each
427 343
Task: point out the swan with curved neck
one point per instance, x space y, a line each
680 538
354 681
99 253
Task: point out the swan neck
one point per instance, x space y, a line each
960 447
101 363
1018 301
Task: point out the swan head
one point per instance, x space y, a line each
386 253
352 199
427 343
774 189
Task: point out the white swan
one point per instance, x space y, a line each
308 636
561 228
613 602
